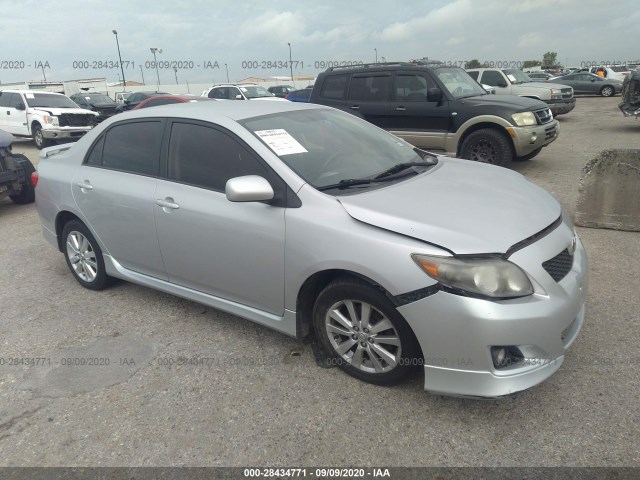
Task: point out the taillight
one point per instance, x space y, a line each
34 179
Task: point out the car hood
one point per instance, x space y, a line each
463 206
60 111
489 103
277 99
544 85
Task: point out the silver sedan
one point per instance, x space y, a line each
311 221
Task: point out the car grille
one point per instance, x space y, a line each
559 266
75 120
550 132
544 115
567 93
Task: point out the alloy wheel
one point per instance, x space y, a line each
82 256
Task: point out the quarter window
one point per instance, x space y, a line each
134 147
206 157
335 87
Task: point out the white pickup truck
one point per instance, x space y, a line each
511 81
44 116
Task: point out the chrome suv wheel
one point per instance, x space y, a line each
363 332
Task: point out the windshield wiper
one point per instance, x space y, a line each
350 182
403 166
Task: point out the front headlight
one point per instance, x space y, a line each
556 94
51 120
524 119
489 277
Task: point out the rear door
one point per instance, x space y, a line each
114 190
370 96
5 100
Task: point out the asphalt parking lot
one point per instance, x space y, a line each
256 397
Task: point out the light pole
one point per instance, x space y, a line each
155 61
227 69
124 82
290 61
175 70
376 50
43 74
142 75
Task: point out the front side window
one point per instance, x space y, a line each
491 77
412 88
16 101
134 147
207 157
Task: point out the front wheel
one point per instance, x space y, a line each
84 257
27 192
39 139
364 333
607 91
487 145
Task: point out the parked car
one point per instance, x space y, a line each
169 99
302 95
120 97
394 257
630 105
440 108
135 98
539 76
610 73
240 92
590 83
281 90
15 173
511 81
100 103
44 116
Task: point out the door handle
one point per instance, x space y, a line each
354 107
400 109
84 186
167 203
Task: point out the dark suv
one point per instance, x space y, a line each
98 102
440 108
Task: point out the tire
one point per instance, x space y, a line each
84 257
607 91
39 139
487 145
380 349
529 156
27 193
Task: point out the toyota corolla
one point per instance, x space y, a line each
308 220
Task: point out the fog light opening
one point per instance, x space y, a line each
506 356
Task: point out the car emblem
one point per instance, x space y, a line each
572 246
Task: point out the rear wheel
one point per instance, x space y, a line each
528 156
607 91
39 139
27 193
84 257
364 333
487 145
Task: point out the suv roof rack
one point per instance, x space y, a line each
420 63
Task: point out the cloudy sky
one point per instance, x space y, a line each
71 39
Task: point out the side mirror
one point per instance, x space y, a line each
250 188
20 106
434 95
502 84
592 79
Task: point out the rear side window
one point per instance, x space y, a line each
335 87
370 88
5 99
133 147
207 157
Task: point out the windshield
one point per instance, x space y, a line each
98 99
325 147
256 92
516 76
49 100
458 82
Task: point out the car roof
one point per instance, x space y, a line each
208 111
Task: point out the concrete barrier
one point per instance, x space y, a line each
609 191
